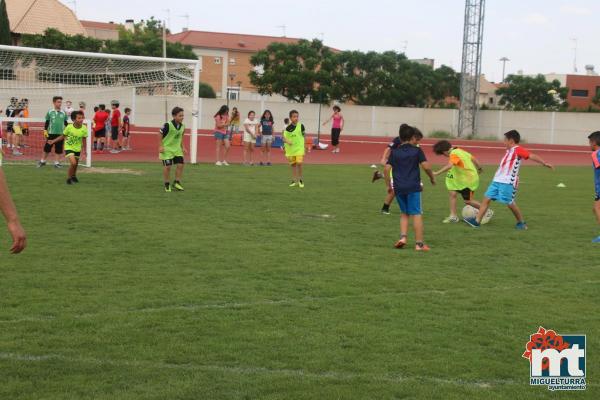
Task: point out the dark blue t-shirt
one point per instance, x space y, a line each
394 144
267 126
406 168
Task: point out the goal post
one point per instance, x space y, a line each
146 85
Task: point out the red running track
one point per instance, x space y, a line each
354 150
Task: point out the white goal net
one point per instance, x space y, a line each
148 86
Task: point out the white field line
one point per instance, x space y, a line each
253 370
379 142
266 302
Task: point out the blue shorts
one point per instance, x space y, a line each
504 193
222 136
410 204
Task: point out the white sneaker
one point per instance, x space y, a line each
17 153
225 163
218 163
453 219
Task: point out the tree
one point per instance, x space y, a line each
55 39
5 37
146 40
525 93
297 71
206 91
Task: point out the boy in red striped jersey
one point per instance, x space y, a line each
503 188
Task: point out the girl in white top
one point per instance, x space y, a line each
250 132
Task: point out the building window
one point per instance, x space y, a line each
580 93
218 60
233 92
491 100
232 61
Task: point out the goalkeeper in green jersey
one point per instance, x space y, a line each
170 149
73 139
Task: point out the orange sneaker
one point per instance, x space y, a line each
400 243
422 248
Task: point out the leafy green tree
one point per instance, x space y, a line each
146 40
525 93
55 39
297 71
5 37
206 91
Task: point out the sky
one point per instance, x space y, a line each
538 36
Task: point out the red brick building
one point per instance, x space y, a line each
582 90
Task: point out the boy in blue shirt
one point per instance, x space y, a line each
405 162
594 139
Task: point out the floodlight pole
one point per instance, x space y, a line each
471 67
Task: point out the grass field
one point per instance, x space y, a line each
240 288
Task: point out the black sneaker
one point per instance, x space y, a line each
41 164
74 179
70 181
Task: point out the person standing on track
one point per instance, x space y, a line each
115 126
56 121
222 136
337 125
266 129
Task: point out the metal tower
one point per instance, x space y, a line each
471 67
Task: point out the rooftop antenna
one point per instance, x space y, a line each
168 20
74 2
283 28
187 20
574 40
404 46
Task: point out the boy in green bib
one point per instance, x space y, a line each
462 176
73 139
293 137
171 150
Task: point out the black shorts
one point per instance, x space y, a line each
25 131
77 154
125 133
335 136
174 160
58 146
466 193
114 130
100 133
10 127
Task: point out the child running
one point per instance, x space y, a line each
73 136
462 176
221 135
266 130
171 150
404 163
503 188
56 121
293 137
250 128
594 140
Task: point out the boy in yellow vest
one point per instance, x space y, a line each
462 176
171 149
293 136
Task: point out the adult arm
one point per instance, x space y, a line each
12 218
328 119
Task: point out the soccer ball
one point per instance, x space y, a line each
471 212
